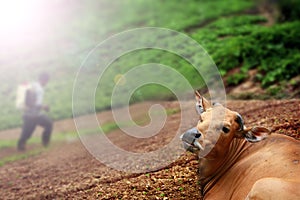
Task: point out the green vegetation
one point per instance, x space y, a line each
36 140
20 156
162 194
289 10
240 41
231 36
7 143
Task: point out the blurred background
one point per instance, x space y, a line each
255 45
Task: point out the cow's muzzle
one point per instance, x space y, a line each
190 140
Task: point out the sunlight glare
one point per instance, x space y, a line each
18 18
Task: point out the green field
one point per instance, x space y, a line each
232 32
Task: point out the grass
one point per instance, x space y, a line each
19 156
229 35
7 143
92 27
60 137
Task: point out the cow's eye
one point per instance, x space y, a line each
225 129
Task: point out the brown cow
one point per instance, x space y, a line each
233 166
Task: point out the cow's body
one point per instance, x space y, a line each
277 156
236 162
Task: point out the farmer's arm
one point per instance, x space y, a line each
34 100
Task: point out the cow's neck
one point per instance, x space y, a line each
222 164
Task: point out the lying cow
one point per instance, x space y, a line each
233 166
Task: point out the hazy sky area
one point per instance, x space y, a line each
55 34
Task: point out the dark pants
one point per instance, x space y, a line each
29 124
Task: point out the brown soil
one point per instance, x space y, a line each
68 171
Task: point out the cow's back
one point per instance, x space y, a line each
277 156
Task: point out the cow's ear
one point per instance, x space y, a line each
256 134
201 103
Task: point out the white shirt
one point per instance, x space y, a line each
39 92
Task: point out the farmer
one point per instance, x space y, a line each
32 113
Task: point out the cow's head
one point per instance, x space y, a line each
216 129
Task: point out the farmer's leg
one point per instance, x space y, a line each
46 123
28 127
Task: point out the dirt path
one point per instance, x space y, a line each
68 125
68 171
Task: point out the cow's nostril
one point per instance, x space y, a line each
198 135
